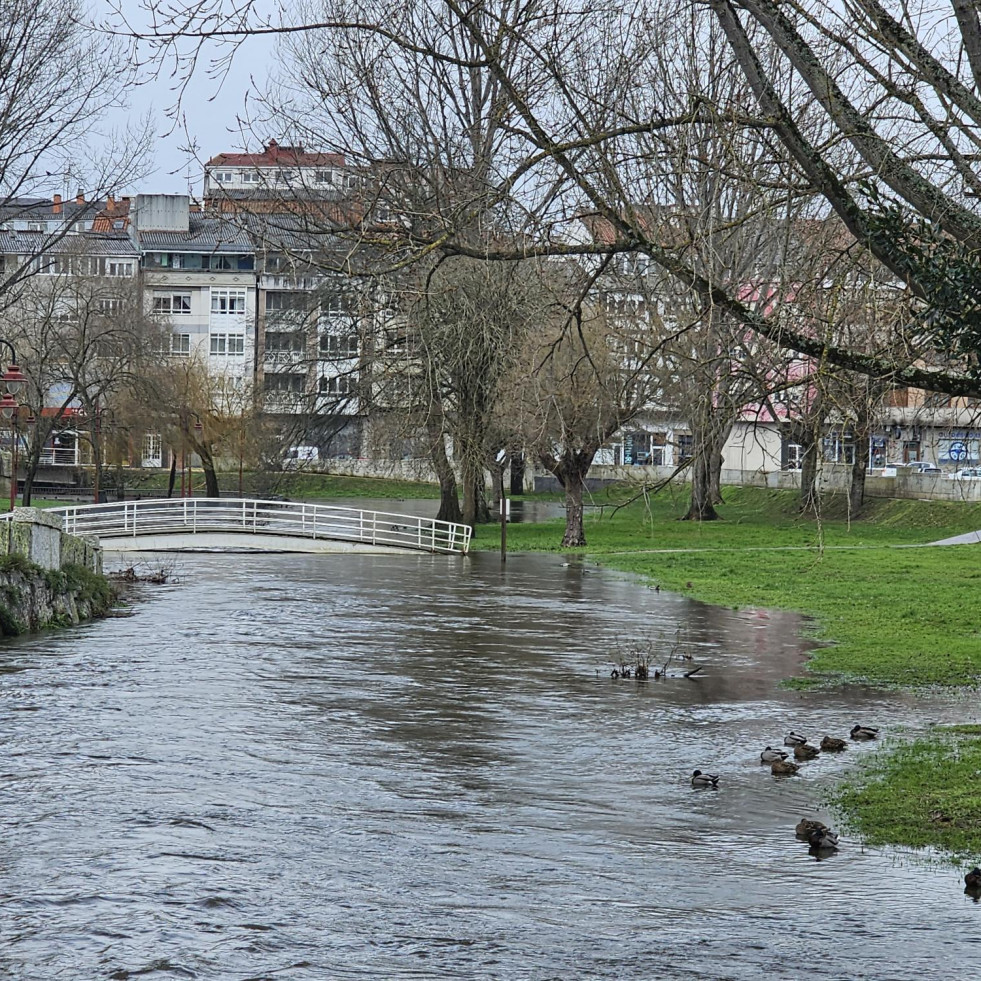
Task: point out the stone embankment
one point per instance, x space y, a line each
48 578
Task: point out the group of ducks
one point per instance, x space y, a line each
818 835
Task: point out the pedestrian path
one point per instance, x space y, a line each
971 538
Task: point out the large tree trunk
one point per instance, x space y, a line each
706 472
203 450
571 469
173 474
449 497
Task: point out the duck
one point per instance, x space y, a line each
805 751
699 779
807 826
864 732
794 739
770 755
783 768
831 744
973 878
825 840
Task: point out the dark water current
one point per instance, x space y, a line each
291 767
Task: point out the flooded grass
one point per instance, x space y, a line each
894 616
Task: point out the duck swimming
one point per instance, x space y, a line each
783 768
825 840
806 827
804 751
770 755
973 878
864 732
699 779
794 739
831 744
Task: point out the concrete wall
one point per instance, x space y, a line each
36 534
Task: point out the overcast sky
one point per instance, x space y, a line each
210 114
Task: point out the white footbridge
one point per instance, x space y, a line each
225 524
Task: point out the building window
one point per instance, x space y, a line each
285 176
180 345
55 265
324 176
224 176
335 304
119 267
110 304
839 448
338 385
250 177
172 303
339 345
228 303
686 447
281 384
281 302
152 450
231 345
791 455
285 344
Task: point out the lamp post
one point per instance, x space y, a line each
198 430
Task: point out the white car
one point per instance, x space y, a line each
966 473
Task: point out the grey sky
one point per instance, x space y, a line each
210 112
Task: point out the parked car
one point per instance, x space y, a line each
922 467
966 473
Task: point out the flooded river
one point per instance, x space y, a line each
374 766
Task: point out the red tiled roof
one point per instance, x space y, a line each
275 155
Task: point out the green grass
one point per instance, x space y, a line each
39 502
927 792
892 616
322 485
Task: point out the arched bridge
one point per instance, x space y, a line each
203 523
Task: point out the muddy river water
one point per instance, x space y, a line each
392 766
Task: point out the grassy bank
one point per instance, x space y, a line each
891 615
923 793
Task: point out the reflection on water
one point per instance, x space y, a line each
372 766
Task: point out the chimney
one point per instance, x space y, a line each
56 204
110 203
80 197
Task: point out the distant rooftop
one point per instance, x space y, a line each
275 155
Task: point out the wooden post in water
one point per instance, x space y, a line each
504 525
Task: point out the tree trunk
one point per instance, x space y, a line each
517 474
574 480
173 474
203 450
709 436
449 498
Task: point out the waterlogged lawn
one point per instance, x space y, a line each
927 792
891 615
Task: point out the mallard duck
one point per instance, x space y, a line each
770 755
805 751
864 732
973 878
806 827
825 840
831 744
783 768
794 739
699 779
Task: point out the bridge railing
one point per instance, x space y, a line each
290 518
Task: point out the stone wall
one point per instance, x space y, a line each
48 578
37 537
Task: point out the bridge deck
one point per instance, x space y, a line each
132 521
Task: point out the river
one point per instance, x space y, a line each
397 766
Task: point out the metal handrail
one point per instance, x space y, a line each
258 517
